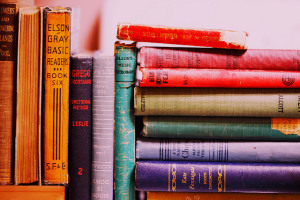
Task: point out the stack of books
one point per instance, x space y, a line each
222 119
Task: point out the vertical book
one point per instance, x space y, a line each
56 66
80 142
125 62
103 127
8 52
28 96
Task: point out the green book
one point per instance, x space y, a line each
247 102
237 128
125 62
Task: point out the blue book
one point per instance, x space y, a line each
181 176
125 62
217 151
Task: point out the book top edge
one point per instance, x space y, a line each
58 9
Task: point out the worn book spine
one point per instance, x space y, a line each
216 151
56 67
182 176
232 78
256 102
210 58
233 128
80 142
103 127
183 36
218 196
8 58
28 95
125 62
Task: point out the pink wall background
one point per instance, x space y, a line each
271 24
90 12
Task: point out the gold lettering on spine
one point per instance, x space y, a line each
210 178
173 177
169 178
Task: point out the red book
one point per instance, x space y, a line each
183 36
209 58
168 77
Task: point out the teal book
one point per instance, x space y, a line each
238 128
125 62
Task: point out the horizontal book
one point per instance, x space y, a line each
213 58
218 196
217 177
183 36
233 128
225 78
248 102
29 192
216 151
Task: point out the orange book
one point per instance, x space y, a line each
32 192
56 66
218 196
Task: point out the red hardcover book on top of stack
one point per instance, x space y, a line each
216 38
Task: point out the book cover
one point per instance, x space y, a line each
125 62
28 95
219 177
212 58
218 196
56 67
248 102
8 53
225 78
183 36
233 128
103 126
217 151
80 134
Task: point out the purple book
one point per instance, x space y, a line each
217 177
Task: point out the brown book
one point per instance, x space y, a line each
8 52
28 87
32 192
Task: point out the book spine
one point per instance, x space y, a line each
237 128
8 53
194 37
217 177
255 102
209 58
217 78
216 151
125 55
80 142
218 196
103 127
56 63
